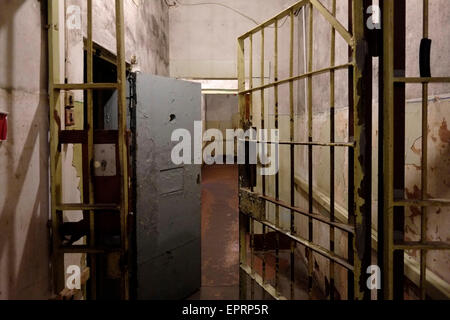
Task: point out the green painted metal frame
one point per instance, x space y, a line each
358 226
57 207
392 247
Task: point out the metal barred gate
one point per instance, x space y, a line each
393 242
271 251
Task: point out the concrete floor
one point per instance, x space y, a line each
220 242
220 234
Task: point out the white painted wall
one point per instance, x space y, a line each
24 188
203 37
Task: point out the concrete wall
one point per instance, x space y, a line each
24 191
222 113
203 37
24 188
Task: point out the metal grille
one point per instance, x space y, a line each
394 203
60 136
254 204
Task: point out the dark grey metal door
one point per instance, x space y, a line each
168 196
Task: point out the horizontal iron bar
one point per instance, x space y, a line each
422 80
272 20
422 203
318 144
428 245
85 86
259 280
299 77
86 207
316 216
316 248
81 136
86 249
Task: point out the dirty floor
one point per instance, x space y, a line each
220 234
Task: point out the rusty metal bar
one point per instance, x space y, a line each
250 76
361 201
399 134
86 207
310 245
276 111
251 221
421 80
388 149
262 53
315 216
267 287
359 214
243 124
422 203
310 149
298 77
252 259
241 81
277 176
422 245
55 152
90 149
351 161
262 98
292 150
85 86
332 151
122 114
424 163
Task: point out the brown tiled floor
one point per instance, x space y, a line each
220 234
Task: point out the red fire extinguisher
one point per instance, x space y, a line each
3 126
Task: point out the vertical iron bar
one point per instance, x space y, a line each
252 222
424 173
381 176
277 176
250 75
263 178
263 100
252 259
388 147
310 148
292 157
55 152
90 129
242 111
398 135
362 162
122 116
332 151
351 164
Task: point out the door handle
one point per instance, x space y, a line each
425 56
